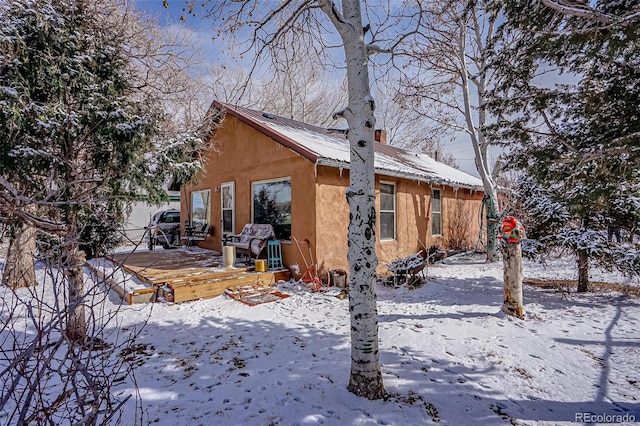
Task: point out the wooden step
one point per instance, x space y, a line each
183 292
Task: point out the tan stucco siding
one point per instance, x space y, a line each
243 155
460 218
332 218
412 209
413 218
319 209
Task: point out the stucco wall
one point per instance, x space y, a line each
413 218
319 209
332 218
244 155
461 218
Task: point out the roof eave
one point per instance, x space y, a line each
281 139
400 174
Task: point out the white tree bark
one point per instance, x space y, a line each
478 141
573 8
451 55
366 378
268 28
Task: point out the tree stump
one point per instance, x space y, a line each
513 298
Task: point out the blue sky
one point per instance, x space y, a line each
172 13
203 27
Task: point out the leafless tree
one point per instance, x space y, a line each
299 88
45 378
319 26
406 127
448 77
231 84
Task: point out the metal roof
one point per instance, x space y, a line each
330 147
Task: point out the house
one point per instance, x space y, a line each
269 169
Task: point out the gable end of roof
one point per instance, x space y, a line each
279 138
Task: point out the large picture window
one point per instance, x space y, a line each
436 212
201 208
387 211
272 204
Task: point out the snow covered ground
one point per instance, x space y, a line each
448 355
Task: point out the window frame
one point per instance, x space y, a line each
232 189
436 215
393 212
207 208
284 238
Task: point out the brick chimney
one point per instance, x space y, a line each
381 136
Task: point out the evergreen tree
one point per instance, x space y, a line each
578 138
266 208
78 139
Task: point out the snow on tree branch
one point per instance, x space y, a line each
583 10
573 8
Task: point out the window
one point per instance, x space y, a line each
272 204
201 208
387 211
228 207
436 212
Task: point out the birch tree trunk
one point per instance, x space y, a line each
452 55
478 140
365 378
19 269
513 299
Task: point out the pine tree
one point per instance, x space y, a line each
577 139
77 137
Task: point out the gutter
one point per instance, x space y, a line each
399 174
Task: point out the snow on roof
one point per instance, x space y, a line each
330 147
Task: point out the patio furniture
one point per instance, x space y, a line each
274 255
193 234
253 238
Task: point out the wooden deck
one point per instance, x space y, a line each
183 275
